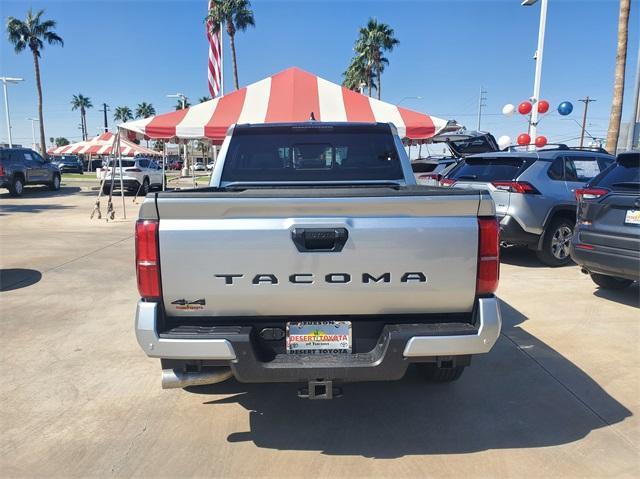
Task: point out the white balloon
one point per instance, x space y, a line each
504 141
509 109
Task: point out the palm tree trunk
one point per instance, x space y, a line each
83 124
43 146
369 82
618 84
233 60
379 80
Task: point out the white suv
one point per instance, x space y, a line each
138 175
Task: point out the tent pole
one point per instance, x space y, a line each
193 165
124 209
164 164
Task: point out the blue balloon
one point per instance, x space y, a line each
565 108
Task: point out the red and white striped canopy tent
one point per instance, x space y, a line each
102 145
291 95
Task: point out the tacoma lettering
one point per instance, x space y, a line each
330 278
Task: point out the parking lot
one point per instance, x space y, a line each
558 395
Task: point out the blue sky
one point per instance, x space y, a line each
126 52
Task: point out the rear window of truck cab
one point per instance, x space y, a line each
312 154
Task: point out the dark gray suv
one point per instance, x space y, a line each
534 193
23 166
607 239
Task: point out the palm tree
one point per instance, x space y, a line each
357 74
236 15
618 85
123 114
33 33
202 99
375 38
82 103
61 141
145 110
179 104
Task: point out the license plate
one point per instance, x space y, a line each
632 217
319 337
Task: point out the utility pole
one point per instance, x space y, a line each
586 102
481 103
632 134
105 109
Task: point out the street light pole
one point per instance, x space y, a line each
33 131
410 98
533 124
6 80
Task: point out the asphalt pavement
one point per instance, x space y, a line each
558 396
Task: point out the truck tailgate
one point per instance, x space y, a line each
225 254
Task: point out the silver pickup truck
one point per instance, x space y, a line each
313 257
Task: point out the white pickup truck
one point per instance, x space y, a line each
313 257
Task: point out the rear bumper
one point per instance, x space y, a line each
512 233
608 261
397 346
128 183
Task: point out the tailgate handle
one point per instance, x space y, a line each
319 240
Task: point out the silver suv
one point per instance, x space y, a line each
534 193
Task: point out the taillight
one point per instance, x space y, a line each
148 259
590 193
1 170
430 176
488 256
516 187
447 182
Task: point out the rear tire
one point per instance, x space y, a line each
17 186
434 374
556 241
610 282
55 183
144 189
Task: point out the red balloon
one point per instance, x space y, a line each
524 139
541 141
543 106
524 108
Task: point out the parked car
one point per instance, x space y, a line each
93 164
198 166
68 163
138 175
534 192
210 165
364 273
174 165
23 166
606 243
430 171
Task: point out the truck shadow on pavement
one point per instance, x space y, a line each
523 394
